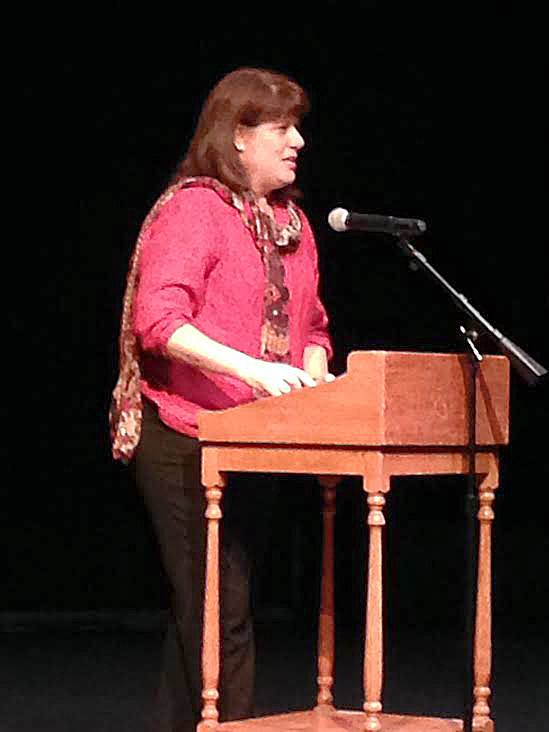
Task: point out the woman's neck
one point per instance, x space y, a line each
264 205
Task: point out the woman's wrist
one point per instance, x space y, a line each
244 367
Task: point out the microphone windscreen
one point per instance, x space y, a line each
338 218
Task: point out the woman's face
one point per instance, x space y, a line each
269 153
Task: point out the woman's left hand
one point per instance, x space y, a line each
315 363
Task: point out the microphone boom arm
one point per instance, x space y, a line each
528 368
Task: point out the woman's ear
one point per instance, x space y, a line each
238 140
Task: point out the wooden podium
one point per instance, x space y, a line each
390 414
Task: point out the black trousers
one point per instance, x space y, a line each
168 476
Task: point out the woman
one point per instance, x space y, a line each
221 308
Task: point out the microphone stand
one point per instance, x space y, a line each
471 541
531 372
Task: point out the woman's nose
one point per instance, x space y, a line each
296 139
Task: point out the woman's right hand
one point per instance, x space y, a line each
274 379
190 345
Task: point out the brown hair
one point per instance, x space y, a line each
246 97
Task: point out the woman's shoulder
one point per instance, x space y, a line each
194 197
186 206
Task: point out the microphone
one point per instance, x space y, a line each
342 220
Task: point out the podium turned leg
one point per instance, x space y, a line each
373 652
325 677
483 621
210 647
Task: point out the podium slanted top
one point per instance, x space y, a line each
385 398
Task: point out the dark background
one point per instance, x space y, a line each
436 116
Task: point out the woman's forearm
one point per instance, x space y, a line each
192 346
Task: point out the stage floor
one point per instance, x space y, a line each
101 677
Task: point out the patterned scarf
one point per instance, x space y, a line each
271 239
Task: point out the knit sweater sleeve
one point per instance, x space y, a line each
180 249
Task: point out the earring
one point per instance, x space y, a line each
239 146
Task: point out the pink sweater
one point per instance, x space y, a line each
200 265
